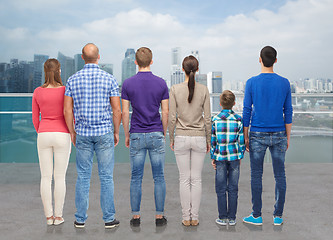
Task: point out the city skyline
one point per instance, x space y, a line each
228 34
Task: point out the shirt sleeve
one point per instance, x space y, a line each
288 108
172 115
241 140
124 94
213 142
165 91
207 117
68 91
247 105
35 111
114 88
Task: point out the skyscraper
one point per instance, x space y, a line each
195 53
67 67
107 67
177 75
39 61
128 65
78 62
214 84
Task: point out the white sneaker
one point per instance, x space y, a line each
223 222
58 221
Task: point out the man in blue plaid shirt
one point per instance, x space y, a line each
227 150
90 95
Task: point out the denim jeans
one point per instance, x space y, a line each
154 143
226 180
277 144
103 146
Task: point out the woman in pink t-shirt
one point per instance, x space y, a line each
53 141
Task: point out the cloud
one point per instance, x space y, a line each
300 30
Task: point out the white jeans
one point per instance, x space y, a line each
57 145
190 154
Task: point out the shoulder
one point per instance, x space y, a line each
36 91
238 117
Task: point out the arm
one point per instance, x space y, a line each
116 109
165 113
125 118
213 145
207 119
288 131
69 117
246 138
35 113
172 117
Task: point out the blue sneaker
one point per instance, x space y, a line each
277 220
252 220
223 222
232 222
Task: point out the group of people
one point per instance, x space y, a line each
88 113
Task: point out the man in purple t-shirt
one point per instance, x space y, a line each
146 93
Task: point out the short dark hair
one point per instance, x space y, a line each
143 57
268 56
227 99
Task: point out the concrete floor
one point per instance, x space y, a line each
308 210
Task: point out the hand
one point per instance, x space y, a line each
208 148
73 138
214 164
127 141
116 138
172 146
247 144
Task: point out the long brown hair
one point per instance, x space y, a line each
190 66
52 73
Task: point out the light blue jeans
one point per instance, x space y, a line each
154 143
277 144
103 146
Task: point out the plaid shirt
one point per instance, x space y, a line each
91 89
227 136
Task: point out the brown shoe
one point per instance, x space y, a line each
186 223
194 222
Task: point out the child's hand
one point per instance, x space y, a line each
214 164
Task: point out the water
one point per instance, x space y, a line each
302 150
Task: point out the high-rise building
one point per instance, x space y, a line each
39 61
107 67
201 78
195 53
128 65
177 75
214 84
67 67
78 62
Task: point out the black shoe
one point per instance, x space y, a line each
161 221
135 222
114 223
78 225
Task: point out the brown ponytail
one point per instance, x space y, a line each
190 66
52 73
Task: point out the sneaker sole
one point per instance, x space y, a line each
79 226
257 224
232 224
277 224
112 226
222 224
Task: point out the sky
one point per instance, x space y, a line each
228 34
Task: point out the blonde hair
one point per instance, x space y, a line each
52 73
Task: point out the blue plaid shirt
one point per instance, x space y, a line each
91 89
227 142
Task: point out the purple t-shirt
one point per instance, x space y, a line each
145 91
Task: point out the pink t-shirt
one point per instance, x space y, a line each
50 103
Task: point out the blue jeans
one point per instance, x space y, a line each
226 180
103 146
277 144
154 143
